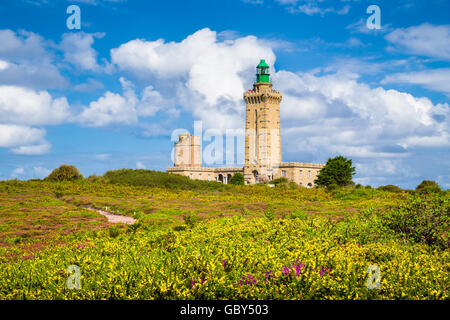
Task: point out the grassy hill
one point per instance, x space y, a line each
204 240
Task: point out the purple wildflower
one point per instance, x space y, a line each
250 280
286 271
298 267
323 270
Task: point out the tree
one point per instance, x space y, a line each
237 179
428 186
338 171
65 173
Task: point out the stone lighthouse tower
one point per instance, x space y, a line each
262 125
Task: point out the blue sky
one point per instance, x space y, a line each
112 94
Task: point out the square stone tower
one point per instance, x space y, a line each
187 151
262 127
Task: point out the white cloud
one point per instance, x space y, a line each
26 61
25 106
108 109
140 165
434 79
23 139
32 150
340 115
125 109
425 39
207 75
77 48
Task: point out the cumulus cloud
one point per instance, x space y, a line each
25 61
425 39
341 115
23 139
207 75
123 108
78 51
25 106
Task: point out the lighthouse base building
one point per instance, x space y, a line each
262 161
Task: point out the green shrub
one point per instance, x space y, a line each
428 186
390 188
422 218
65 173
237 179
160 179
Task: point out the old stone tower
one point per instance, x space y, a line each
262 124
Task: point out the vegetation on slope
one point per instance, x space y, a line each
227 242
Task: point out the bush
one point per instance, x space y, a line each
237 179
422 218
160 179
428 186
390 188
337 171
65 173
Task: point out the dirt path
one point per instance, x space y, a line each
115 218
